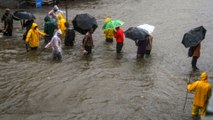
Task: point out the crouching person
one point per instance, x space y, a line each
56 46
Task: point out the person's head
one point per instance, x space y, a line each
204 76
91 30
47 19
55 8
67 25
117 28
34 26
107 19
7 11
59 33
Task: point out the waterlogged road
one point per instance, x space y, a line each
105 86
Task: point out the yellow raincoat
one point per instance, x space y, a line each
33 36
61 24
109 34
202 91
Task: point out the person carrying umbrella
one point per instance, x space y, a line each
61 24
33 36
7 19
87 42
119 36
193 40
109 33
202 93
56 46
49 28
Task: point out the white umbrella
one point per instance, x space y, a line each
147 27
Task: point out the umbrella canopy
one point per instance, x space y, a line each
84 23
136 33
23 15
112 24
194 37
147 27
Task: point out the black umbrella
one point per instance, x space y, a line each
84 22
23 15
194 37
136 33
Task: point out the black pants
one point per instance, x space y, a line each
68 43
8 33
109 40
33 48
194 62
119 47
88 49
148 52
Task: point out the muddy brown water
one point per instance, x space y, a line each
106 86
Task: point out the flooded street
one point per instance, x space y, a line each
106 86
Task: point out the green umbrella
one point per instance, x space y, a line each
112 24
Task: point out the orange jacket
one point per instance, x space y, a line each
196 52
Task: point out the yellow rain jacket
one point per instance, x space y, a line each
33 36
202 90
109 33
61 24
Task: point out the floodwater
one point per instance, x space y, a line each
106 86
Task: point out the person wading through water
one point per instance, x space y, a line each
119 35
202 93
7 19
87 43
33 37
56 46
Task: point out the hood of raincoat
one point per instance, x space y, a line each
33 26
47 19
203 76
58 33
55 7
107 19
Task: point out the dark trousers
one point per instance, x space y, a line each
148 52
88 49
194 62
8 33
119 47
33 48
109 40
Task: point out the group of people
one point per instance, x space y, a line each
144 46
56 27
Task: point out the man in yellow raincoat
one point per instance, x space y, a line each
61 24
33 36
109 34
202 93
